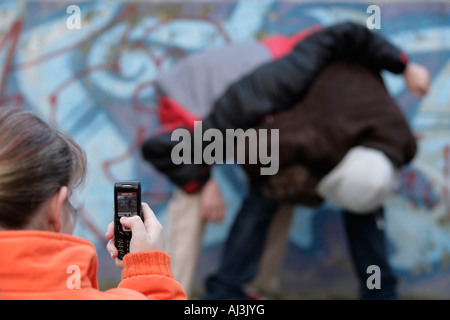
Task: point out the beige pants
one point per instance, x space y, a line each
184 233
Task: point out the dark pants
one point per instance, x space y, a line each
367 243
245 243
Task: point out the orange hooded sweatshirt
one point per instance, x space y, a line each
50 265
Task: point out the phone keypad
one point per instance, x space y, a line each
122 243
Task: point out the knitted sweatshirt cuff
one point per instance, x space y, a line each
146 263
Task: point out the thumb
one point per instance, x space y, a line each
134 223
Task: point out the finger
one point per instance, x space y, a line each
420 92
149 216
151 222
216 217
134 223
110 231
425 89
221 213
112 249
119 263
212 216
203 214
215 214
207 213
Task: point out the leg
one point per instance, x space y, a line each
243 247
184 234
266 281
367 244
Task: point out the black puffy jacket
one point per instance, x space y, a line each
276 86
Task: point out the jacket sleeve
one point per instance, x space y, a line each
280 84
188 176
149 273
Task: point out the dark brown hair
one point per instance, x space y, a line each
35 161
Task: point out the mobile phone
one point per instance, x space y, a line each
127 203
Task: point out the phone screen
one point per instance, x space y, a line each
127 205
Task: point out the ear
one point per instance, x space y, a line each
55 207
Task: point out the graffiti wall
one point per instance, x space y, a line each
95 80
